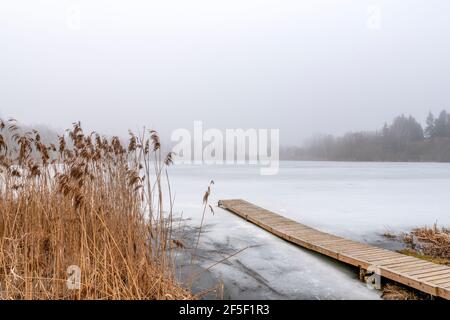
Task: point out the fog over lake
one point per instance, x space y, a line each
304 67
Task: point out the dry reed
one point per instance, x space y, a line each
429 241
397 292
88 202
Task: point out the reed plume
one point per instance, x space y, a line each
86 201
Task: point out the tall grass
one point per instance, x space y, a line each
432 241
86 201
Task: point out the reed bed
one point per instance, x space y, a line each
83 218
432 241
428 243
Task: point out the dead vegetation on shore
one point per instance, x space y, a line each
87 203
432 242
393 291
427 243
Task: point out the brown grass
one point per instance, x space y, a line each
398 292
427 243
432 242
413 253
88 202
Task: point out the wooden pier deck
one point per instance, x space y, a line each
428 277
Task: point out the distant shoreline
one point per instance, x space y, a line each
360 161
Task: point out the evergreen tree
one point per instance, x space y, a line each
442 125
429 130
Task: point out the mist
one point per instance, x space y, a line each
301 67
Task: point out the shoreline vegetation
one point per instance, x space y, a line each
428 243
85 218
404 140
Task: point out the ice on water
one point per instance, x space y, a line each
355 200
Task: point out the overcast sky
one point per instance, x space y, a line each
302 66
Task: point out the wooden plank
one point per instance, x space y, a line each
286 229
425 269
419 274
382 260
291 225
334 241
289 231
364 250
387 262
439 277
305 232
339 243
259 215
434 273
406 270
443 284
411 263
281 223
443 293
319 235
380 255
272 221
346 246
314 237
440 282
406 263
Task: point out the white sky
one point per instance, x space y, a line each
302 66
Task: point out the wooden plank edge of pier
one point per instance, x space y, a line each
428 277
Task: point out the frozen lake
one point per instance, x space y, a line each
352 199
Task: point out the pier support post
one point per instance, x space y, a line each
362 274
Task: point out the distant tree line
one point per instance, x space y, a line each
403 140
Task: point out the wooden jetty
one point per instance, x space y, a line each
422 275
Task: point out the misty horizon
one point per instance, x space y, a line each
305 69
